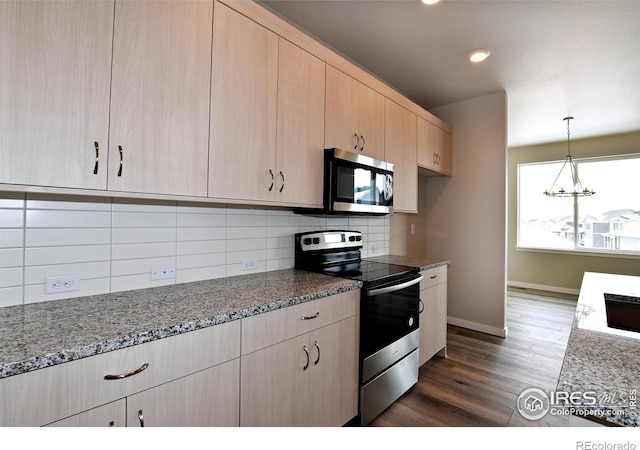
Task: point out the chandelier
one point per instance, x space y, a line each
578 189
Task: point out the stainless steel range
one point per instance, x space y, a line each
389 311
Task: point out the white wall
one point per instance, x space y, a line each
466 213
112 244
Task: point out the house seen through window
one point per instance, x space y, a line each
608 221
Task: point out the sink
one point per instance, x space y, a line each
623 311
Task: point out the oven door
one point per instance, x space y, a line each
389 324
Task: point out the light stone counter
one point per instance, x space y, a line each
44 334
602 360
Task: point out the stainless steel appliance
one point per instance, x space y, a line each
355 184
389 311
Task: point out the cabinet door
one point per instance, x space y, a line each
244 81
434 148
354 115
209 398
371 106
300 136
433 322
400 149
110 415
160 97
274 385
54 92
333 381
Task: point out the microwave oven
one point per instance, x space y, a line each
356 184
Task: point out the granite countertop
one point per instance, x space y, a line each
419 262
39 335
602 360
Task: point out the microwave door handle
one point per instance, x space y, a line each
395 287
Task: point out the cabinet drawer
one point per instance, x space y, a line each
270 328
46 395
433 276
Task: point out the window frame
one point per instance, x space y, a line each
604 252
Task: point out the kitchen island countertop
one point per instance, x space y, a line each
601 360
44 334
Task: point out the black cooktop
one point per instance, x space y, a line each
372 272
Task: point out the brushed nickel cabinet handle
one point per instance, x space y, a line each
126 375
311 317
318 358
355 146
121 155
272 180
141 418
363 142
97 147
306 366
282 175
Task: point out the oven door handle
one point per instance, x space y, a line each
395 287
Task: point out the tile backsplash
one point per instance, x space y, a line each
112 244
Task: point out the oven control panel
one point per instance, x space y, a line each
326 240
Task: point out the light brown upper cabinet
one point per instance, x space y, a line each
354 115
244 90
159 130
300 137
267 115
54 92
434 149
400 149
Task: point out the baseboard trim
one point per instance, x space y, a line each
500 332
542 287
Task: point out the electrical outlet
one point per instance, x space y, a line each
165 272
249 264
375 249
64 283
413 228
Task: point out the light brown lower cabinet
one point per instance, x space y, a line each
433 318
299 367
208 398
309 380
308 375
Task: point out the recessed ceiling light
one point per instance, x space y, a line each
430 2
478 55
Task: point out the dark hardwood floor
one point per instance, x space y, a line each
479 382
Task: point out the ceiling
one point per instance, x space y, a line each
553 58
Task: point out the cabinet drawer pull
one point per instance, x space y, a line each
306 366
141 418
97 147
362 147
125 375
112 424
121 155
282 175
272 180
315 316
355 146
317 359
433 277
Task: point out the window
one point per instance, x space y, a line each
608 221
